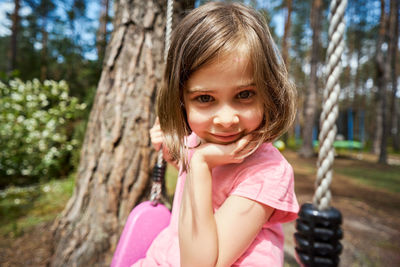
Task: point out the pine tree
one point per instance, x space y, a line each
116 157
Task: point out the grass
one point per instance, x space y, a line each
21 208
363 168
171 176
388 179
24 207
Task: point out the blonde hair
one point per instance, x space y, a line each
208 31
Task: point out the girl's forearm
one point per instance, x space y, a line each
198 239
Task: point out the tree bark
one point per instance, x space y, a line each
310 104
14 33
102 31
381 82
286 34
285 54
116 158
378 80
393 50
43 54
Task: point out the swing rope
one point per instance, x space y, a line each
322 196
168 31
159 170
318 225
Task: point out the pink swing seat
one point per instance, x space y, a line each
144 223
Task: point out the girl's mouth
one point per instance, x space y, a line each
226 137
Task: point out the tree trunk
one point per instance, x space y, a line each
43 54
310 104
393 38
101 42
285 54
381 132
116 158
14 34
378 80
286 34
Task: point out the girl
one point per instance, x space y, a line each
225 97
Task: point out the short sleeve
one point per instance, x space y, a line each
269 180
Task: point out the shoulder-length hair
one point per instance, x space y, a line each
207 32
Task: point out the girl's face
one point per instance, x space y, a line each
221 100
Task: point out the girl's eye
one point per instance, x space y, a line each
204 98
245 94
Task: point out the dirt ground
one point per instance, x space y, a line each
371 222
371 217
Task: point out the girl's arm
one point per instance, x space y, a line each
208 239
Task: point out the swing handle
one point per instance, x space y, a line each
158 180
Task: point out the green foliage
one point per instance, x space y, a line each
56 40
171 177
294 143
36 127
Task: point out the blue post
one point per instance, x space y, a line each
297 133
314 136
350 125
362 128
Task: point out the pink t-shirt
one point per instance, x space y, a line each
266 177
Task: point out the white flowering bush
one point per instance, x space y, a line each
35 129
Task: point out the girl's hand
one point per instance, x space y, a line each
156 135
215 154
157 140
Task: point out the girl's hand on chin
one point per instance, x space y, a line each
216 154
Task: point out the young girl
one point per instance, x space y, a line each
225 97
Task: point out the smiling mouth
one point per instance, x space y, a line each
226 137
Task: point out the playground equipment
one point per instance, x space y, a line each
346 131
318 226
280 145
144 223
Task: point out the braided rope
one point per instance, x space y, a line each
156 188
168 31
322 196
155 193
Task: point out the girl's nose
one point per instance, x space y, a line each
226 117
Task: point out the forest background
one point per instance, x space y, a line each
53 53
